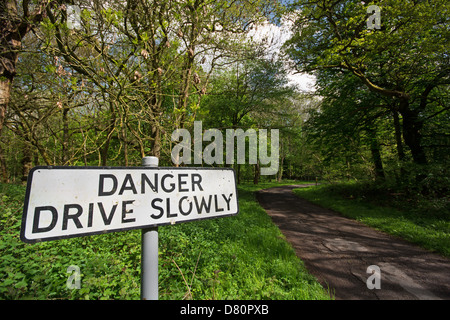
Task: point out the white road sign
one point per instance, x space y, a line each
65 202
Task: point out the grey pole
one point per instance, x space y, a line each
149 252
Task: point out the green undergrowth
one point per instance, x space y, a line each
425 222
239 257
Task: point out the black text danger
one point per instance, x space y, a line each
119 201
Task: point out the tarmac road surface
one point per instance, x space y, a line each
354 261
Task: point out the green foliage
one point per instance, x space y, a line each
244 257
385 91
241 257
240 92
113 90
109 264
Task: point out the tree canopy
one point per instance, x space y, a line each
403 66
110 84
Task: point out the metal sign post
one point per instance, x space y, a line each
149 252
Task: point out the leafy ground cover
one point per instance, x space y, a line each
240 257
420 220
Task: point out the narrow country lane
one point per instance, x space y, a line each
338 251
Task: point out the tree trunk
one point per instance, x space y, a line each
7 71
348 165
376 155
411 132
5 93
238 169
3 172
124 138
257 173
398 136
12 30
65 140
111 128
156 143
27 161
398 139
280 169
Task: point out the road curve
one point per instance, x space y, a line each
339 251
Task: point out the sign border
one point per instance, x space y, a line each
30 179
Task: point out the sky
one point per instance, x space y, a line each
276 35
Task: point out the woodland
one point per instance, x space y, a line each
106 83
109 84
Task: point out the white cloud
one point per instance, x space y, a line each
304 82
274 36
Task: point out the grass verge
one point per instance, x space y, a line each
428 228
240 257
